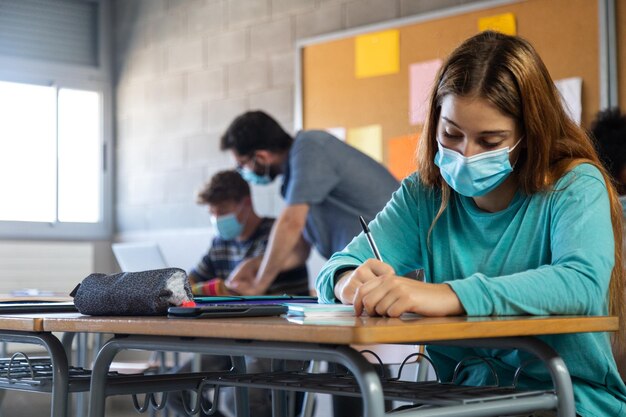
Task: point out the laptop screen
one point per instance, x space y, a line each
138 256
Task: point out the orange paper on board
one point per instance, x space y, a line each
401 155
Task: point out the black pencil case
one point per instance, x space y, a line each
143 293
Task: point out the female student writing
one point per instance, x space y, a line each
509 213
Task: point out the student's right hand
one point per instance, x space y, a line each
243 278
349 282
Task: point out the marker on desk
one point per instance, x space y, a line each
370 239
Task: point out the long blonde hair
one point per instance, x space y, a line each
508 73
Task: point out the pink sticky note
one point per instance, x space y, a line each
421 78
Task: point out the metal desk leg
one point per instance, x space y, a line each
81 360
309 397
242 406
279 397
66 340
58 358
558 371
553 362
98 379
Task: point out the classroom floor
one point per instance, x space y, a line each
27 404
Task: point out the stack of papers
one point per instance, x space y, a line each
319 310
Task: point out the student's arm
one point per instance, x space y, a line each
203 272
285 244
299 255
285 250
397 234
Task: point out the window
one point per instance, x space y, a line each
51 154
55 119
80 156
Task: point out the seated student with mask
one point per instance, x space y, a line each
240 235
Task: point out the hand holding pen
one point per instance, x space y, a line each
417 274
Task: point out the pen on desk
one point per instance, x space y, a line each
370 239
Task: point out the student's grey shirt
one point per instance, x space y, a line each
339 183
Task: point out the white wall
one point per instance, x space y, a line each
183 70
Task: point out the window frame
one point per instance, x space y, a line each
58 75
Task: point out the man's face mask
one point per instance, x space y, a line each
253 178
227 225
476 175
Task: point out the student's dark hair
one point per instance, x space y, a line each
609 131
253 131
507 72
224 186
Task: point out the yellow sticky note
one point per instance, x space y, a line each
377 54
401 155
504 23
367 139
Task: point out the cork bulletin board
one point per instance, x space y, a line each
332 94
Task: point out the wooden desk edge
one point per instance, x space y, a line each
541 326
364 331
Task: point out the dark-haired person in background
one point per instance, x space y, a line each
609 131
327 184
240 235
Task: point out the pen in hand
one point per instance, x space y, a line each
370 239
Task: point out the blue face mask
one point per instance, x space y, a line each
228 227
253 178
476 175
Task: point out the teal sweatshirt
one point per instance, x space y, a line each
547 253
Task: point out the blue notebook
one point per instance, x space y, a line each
255 299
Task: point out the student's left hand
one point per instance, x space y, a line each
391 295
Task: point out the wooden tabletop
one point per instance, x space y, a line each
354 330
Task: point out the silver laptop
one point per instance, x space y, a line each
138 256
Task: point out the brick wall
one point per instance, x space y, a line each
185 68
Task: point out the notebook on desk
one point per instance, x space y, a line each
36 306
